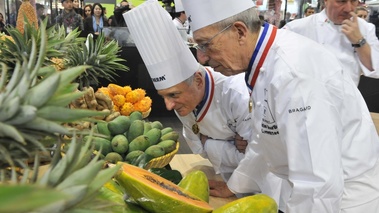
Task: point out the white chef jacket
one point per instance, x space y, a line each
181 28
228 115
318 27
313 128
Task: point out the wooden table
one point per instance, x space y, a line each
375 118
186 163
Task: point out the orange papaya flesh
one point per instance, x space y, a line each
259 203
196 182
157 194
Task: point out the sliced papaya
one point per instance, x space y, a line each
157 194
259 203
196 182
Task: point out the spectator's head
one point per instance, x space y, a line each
362 12
75 3
309 11
40 9
124 3
87 10
339 10
67 5
97 10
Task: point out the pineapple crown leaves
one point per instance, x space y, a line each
101 55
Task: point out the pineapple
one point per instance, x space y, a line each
26 12
101 55
33 106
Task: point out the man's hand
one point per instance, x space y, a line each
350 28
240 143
203 139
219 189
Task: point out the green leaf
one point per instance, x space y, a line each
25 198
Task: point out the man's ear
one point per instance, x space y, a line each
242 30
198 79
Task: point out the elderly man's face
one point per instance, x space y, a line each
339 10
221 52
183 98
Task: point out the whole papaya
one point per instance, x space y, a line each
196 182
259 203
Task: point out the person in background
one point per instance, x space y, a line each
310 122
309 11
69 18
118 20
179 20
351 39
212 107
77 8
87 10
40 10
2 24
361 12
95 23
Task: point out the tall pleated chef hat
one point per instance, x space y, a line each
168 59
178 6
202 13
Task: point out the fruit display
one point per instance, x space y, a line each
126 138
259 203
127 100
157 194
26 11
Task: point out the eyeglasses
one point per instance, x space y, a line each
362 16
203 47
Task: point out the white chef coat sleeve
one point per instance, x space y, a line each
371 39
193 142
223 155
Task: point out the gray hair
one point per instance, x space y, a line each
249 17
201 70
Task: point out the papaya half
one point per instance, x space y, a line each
259 203
157 194
196 182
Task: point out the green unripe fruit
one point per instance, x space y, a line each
120 144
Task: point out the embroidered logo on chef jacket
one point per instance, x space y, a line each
269 126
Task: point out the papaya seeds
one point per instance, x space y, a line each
120 144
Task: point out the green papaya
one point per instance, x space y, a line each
156 124
120 144
133 155
136 115
166 130
157 194
154 136
113 157
139 143
102 128
168 145
170 136
259 203
155 151
135 130
196 182
147 127
100 143
119 125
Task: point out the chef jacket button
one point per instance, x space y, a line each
258 136
217 101
259 103
224 126
262 69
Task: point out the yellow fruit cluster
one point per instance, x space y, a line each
127 100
